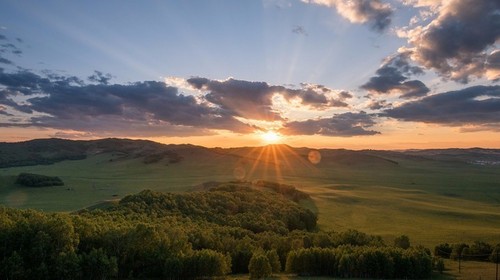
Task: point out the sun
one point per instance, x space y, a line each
271 137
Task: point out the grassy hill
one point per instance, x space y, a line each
430 195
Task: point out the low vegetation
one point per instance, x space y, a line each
231 228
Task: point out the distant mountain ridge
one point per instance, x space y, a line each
52 150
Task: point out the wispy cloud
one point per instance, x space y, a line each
300 30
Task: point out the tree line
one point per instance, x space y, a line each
477 251
231 228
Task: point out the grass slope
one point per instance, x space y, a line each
430 195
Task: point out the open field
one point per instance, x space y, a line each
430 199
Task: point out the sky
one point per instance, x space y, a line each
356 74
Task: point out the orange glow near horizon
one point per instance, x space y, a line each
406 136
271 137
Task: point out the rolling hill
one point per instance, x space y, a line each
431 195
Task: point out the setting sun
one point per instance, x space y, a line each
271 137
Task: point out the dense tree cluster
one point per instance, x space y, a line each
361 261
228 229
230 204
287 190
477 251
36 180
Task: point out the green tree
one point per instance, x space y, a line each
439 263
274 261
67 266
13 267
457 249
97 265
259 266
402 242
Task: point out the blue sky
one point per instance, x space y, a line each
250 40
329 71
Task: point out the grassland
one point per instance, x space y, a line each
431 200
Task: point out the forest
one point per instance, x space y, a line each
229 228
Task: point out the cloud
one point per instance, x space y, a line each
373 12
493 66
392 77
342 125
150 108
457 42
477 106
100 78
143 107
8 48
378 104
254 100
299 30
5 61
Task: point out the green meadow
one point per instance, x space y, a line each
389 194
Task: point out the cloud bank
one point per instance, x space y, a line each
477 106
460 41
342 125
150 108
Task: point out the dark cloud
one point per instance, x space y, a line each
478 105
392 77
345 95
246 99
299 30
2 37
147 106
373 12
343 125
456 43
150 108
253 100
5 61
